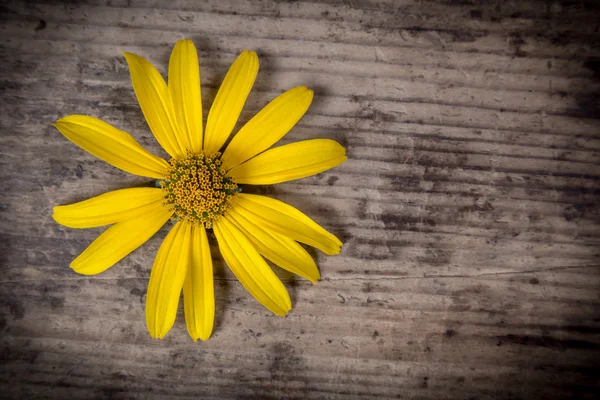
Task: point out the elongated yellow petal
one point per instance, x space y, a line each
119 240
289 162
286 220
166 279
156 104
108 208
112 145
268 126
230 100
250 268
184 86
279 249
198 288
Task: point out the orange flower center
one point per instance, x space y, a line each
197 189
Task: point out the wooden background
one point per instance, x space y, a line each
468 206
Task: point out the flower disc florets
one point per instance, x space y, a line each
197 189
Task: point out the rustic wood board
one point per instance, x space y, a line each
468 206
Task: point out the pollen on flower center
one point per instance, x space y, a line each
197 189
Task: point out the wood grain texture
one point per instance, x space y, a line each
468 206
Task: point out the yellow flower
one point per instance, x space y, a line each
199 190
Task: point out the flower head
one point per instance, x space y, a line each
199 189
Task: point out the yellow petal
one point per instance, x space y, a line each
250 268
166 279
268 126
230 100
198 288
112 145
108 208
119 240
184 86
156 104
289 162
279 249
285 220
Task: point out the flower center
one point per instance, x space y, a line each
197 189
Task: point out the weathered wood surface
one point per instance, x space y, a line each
468 207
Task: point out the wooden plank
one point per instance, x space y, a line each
468 206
